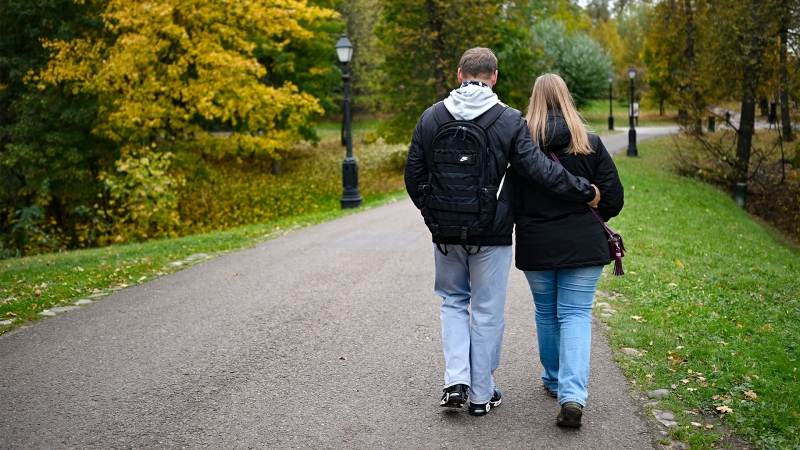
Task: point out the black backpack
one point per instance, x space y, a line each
460 197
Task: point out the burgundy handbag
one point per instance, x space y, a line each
615 246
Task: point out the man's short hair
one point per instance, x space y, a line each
478 62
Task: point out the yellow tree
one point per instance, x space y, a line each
166 71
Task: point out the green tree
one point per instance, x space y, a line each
367 76
422 42
743 36
577 58
49 159
674 57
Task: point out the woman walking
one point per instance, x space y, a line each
561 246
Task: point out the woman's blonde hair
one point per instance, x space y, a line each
551 93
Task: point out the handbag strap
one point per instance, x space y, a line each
609 231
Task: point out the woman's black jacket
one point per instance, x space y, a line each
552 234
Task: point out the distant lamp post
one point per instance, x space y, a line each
610 114
351 198
632 151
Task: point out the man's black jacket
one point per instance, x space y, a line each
511 143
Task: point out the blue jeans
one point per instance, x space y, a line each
564 300
472 348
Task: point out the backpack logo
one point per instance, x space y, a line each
464 158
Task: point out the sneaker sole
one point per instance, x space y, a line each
453 402
489 406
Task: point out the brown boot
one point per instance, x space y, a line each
570 415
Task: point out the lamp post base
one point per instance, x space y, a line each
610 123
351 198
632 150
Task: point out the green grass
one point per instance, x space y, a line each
34 284
712 301
596 114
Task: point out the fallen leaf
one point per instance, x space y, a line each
709 426
684 381
678 263
724 409
691 389
696 424
750 394
723 343
343 358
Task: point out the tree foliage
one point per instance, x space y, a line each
576 57
422 42
118 88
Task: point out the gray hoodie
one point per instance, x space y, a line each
467 103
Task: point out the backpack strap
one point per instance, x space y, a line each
489 117
441 114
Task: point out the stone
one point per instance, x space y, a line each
102 294
667 416
196 256
659 415
605 315
61 309
602 305
83 301
659 393
6 322
631 351
47 313
176 263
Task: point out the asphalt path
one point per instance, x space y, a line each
328 337
617 143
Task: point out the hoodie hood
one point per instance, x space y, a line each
469 102
557 136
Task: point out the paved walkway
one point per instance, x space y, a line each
327 337
617 144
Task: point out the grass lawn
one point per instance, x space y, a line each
596 114
711 300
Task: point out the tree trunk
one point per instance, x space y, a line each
745 141
695 106
784 82
435 25
763 106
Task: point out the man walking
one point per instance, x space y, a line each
455 175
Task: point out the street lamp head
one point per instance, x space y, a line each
610 78
344 49
632 72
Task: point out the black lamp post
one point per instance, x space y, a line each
632 151
610 115
351 198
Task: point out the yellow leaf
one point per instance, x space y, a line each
678 263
